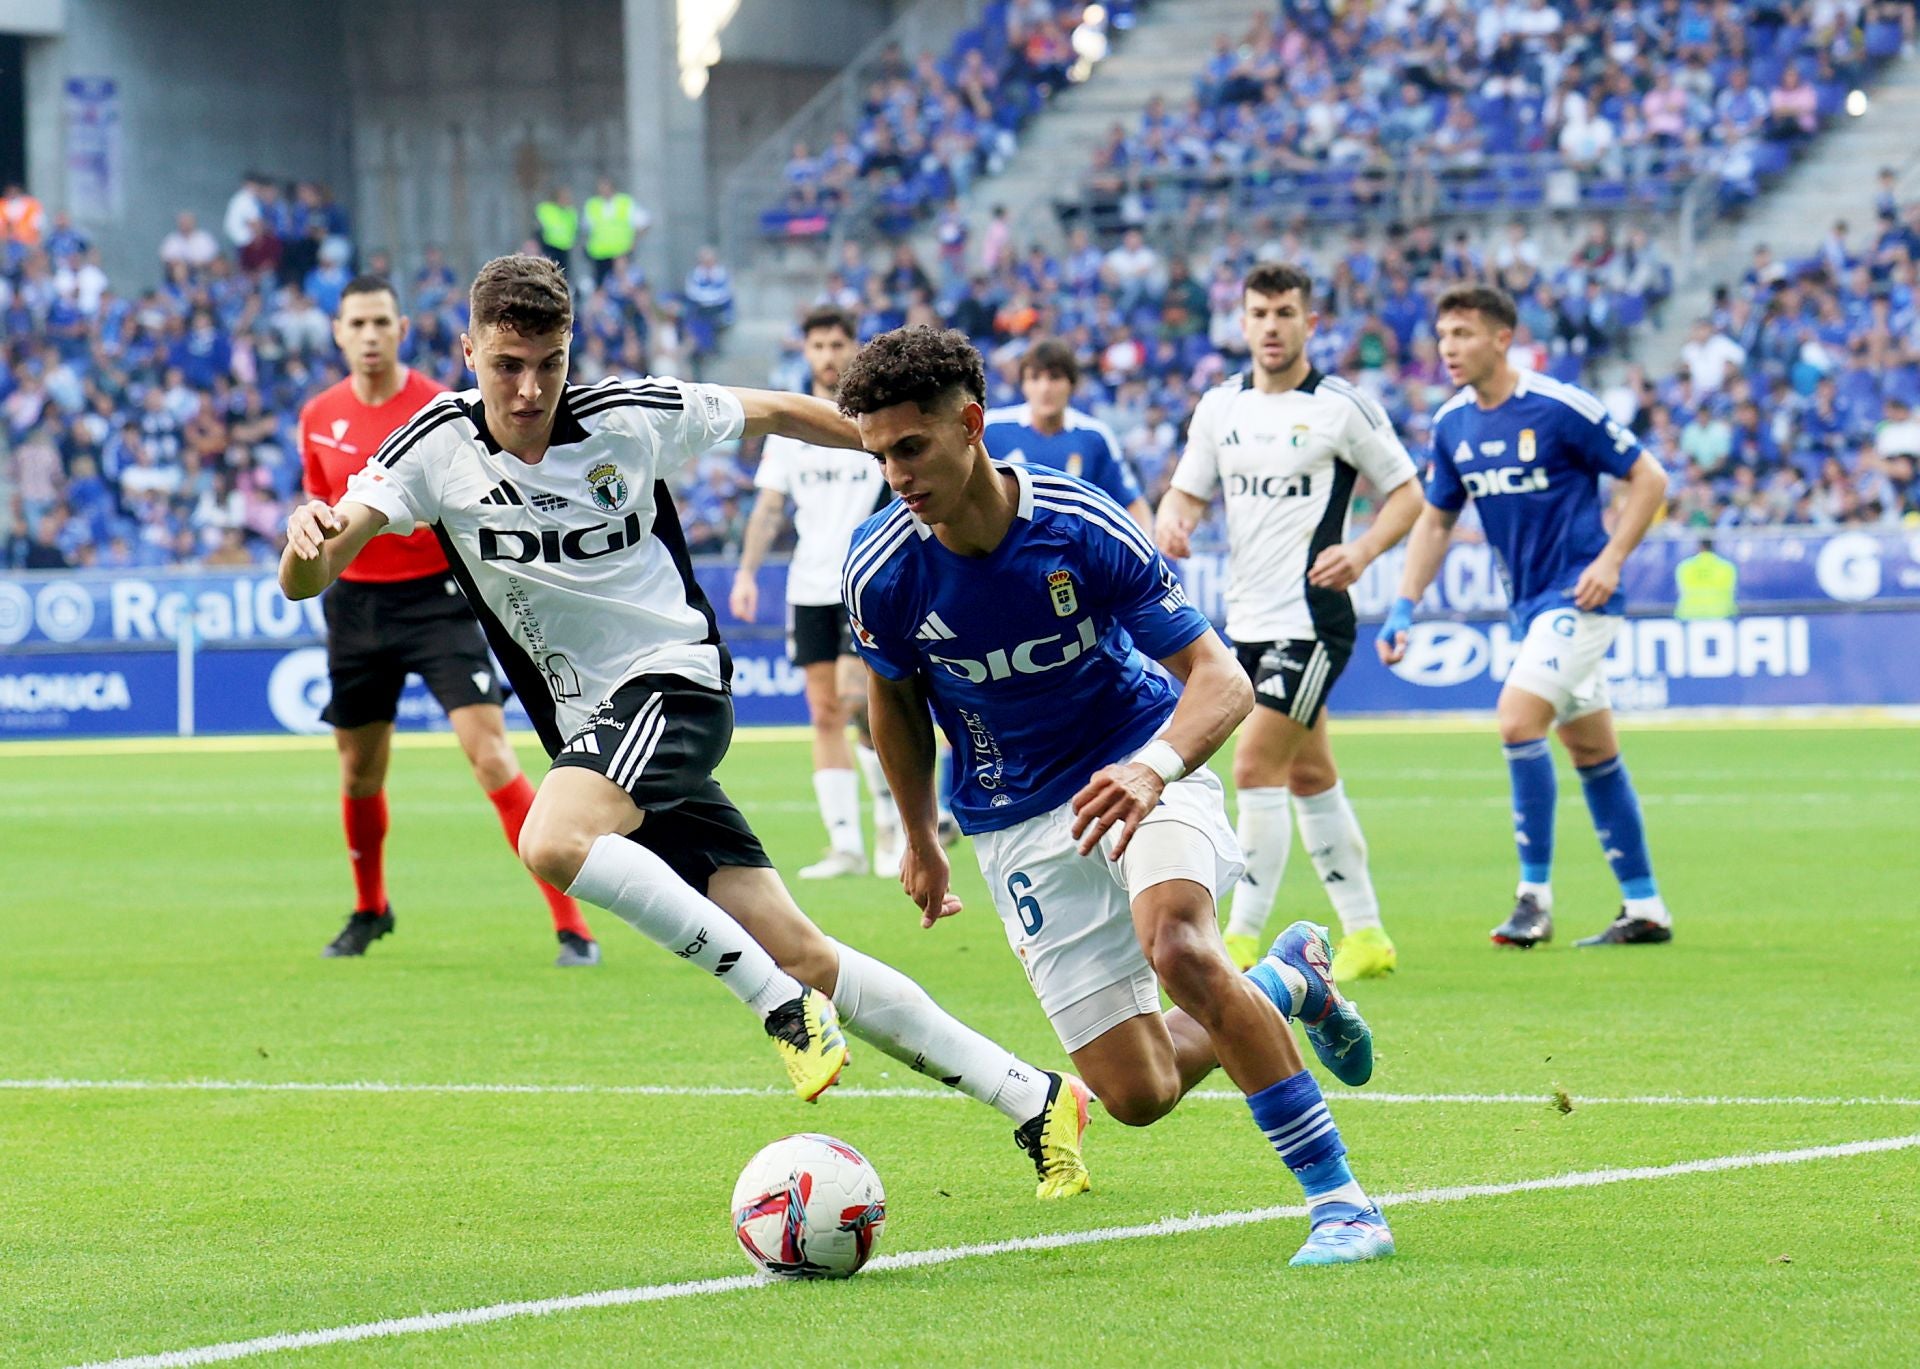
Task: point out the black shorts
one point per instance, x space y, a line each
817 632
380 633
660 738
1293 677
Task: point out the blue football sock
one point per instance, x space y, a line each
1535 791
1616 820
1295 1119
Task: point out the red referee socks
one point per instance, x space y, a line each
511 801
366 823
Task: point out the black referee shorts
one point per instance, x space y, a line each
1293 677
378 633
660 738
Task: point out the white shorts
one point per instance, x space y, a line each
1069 917
1563 660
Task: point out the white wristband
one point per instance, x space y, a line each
1163 760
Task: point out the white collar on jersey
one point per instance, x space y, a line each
1024 509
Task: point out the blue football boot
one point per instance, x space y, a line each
1344 1233
1337 1032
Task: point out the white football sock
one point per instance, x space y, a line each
1266 833
884 814
1542 893
624 877
838 792
1339 855
1650 909
880 1005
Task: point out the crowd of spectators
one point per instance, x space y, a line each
1402 108
927 128
158 427
1794 404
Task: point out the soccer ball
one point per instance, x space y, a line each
809 1207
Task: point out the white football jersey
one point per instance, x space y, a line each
576 564
834 490
1287 464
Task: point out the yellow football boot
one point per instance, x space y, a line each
806 1033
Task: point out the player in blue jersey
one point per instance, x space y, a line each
1017 603
1530 451
1045 431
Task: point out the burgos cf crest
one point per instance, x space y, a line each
1526 444
1060 586
1301 432
608 486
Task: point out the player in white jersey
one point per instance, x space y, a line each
833 491
1286 444
551 504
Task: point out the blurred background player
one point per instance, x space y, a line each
397 611
1286 445
552 505
1047 431
833 490
1018 603
1530 451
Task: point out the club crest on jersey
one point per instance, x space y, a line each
1301 432
1074 464
1527 450
608 486
1060 587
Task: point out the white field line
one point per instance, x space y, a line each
57 1085
920 1259
1813 719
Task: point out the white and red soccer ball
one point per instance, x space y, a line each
809 1207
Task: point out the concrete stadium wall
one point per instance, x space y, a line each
206 92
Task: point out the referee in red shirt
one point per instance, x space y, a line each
396 611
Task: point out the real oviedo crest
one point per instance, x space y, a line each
608 486
1060 587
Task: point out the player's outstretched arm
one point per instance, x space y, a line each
1646 491
322 540
1216 698
1179 514
769 511
797 416
1426 549
1338 567
903 735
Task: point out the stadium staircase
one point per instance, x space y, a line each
1161 56
1836 181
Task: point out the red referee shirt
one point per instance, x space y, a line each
337 436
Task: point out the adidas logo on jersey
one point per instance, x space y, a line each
502 494
933 630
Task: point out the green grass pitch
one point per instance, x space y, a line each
163 912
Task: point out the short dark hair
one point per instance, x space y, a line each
524 294
1489 301
829 316
919 365
368 285
1051 357
1276 278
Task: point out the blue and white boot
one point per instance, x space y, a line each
1345 1233
1302 955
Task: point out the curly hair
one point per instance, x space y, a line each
523 294
920 365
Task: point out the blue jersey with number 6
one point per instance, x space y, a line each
1028 653
1532 467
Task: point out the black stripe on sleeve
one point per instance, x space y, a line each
409 437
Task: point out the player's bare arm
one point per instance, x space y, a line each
1426 549
1142 515
1646 492
1338 567
1180 513
322 540
769 512
802 417
903 735
1216 698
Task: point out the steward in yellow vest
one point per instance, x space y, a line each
1706 582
